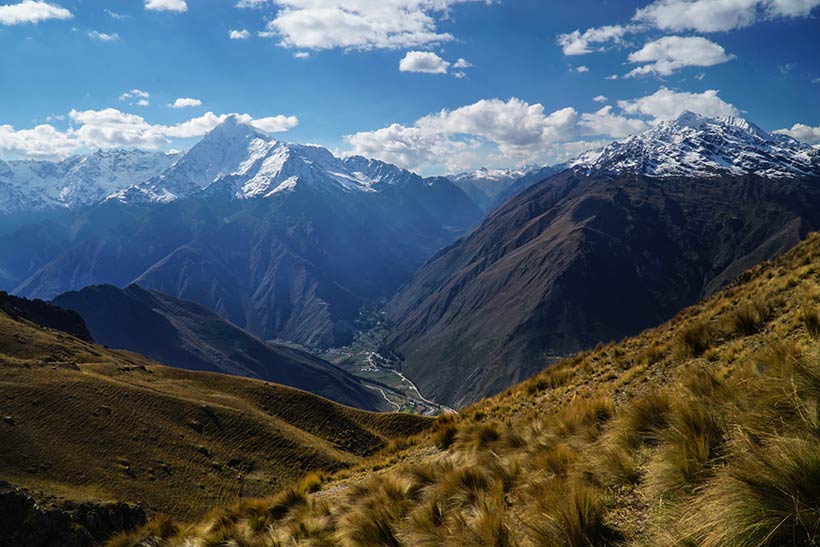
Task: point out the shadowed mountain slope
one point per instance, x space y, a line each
187 335
600 252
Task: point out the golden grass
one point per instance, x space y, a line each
702 432
93 424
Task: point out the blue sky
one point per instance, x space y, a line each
433 85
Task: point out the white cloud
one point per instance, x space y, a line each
242 34
166 5
582 69
600 99
423 61
31 11
514 131
666 104
115 15
274 124
686 15
136 97
459 74
301 55
111 128
103 37
581 43
43 141
357 24
462 63
605 123
672 53
802 132
719 15
185 102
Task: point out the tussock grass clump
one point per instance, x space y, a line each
445 434
749 318
645 419
769 495
696 338
554 377
569 514
810 318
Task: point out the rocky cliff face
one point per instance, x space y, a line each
26 523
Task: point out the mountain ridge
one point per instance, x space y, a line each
588 256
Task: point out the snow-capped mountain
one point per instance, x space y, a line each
484 186
240 160
76 181
696 146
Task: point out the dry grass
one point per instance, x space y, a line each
95 424
704 431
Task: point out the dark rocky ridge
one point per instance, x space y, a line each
187 335
26 523
584 258
45 314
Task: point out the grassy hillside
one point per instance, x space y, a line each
82 422
704 431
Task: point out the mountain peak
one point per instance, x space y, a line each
235 127
693 145
687 118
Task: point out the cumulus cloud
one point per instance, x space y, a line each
185 102
103 37
600 99
669 54
802 132
514 131
686 15
581 43
666 104
178 6
719 15
31 11
462 63
357 24
423 61
604 122
582 69
112 128
242 34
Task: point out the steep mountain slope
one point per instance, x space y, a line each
186 335
84 422
284 240
601 252
700 432
29 185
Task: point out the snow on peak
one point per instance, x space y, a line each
77 181
695 145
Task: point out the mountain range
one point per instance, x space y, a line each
286 241
619 242
190 336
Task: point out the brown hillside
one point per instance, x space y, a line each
703 431
82 422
